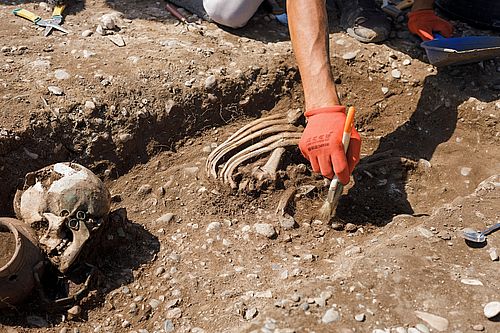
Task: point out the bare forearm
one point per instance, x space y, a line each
423 4
309 34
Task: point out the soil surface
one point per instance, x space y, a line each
8 247
184 252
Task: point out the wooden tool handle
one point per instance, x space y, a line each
175 12
26 14
404 4
349 124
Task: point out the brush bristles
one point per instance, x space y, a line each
325 212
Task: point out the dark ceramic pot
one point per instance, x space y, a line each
16 276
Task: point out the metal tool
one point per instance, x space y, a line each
37 19
391 10
396 11
327 211
55 19
461 50
479 237
178 15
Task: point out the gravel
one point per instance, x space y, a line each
492 309
265 229
330 316
55 90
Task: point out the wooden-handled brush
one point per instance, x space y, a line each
327 211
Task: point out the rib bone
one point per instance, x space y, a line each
258 128
279 140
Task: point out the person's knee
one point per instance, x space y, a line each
234 13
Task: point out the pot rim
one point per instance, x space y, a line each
17 238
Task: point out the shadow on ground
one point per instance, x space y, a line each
379 192
122 248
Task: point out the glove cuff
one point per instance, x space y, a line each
420 13
330 109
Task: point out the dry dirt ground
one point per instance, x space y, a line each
144 118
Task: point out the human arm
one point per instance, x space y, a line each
321 142
423 22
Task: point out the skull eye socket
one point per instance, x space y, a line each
73 224
81 215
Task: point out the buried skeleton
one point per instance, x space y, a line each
61 209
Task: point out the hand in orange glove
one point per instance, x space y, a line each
424 22
321 143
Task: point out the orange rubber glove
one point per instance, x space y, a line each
424 22
321 143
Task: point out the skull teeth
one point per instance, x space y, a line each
62 246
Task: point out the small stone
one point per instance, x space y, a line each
154 303
304 306
87 33
265 229
353 250
478 327
413 330
492 309
214 226
125 323
108 22
465 171
424 163
250 313
168 326
330 316
350 227
117 40
349 55
74 311
263 294
493 254
422 328
100 30
144 189
395 73
159 271
61 74
295 298
191 170
174 313
165 218
471 282
436 322
210 82
124 137
360 317
207 149
55 90
287 222
400 329
385 90
88 53
89 105
406 62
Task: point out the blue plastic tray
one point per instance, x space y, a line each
461 50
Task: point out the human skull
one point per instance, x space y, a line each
66 203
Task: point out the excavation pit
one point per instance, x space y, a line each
196 255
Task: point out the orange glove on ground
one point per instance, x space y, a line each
424 22
321 143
